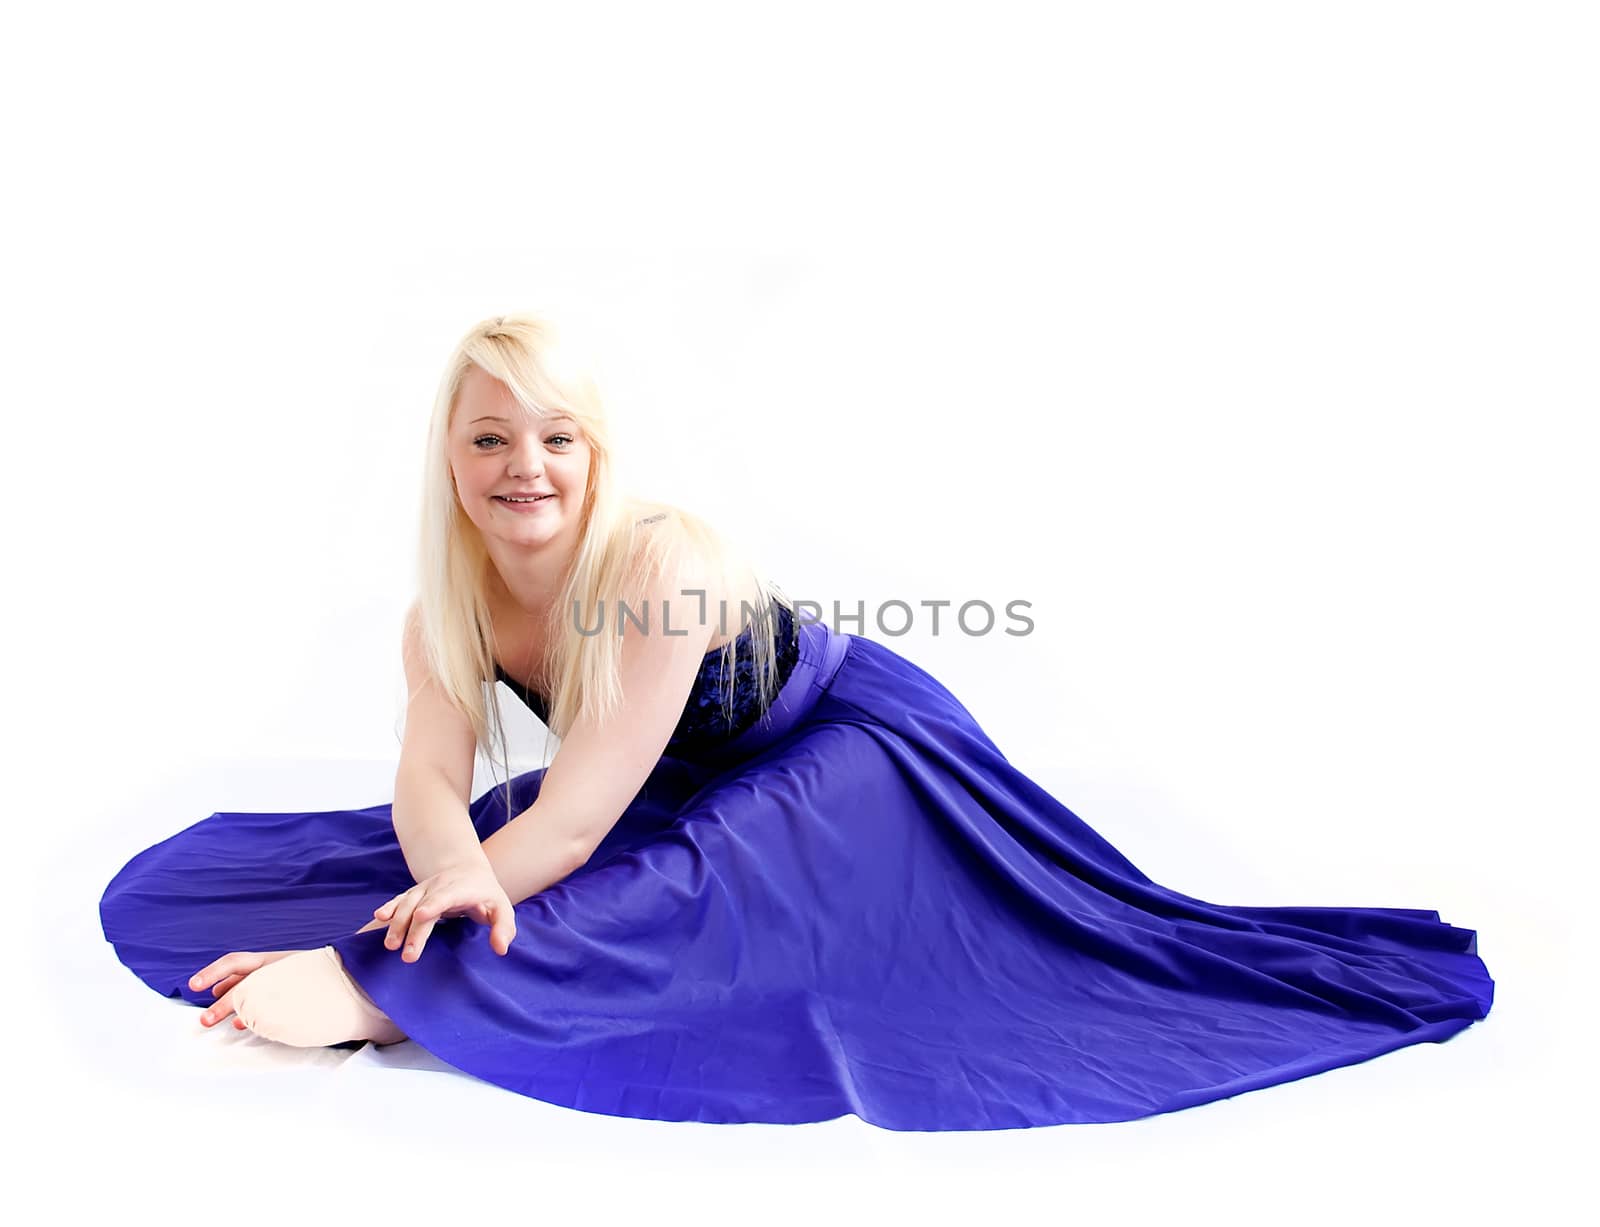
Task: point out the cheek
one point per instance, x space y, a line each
469 492
575 472
470 477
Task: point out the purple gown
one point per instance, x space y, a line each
852 904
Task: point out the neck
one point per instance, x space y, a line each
531 578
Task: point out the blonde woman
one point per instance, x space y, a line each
774 872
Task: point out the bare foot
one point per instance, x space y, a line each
308 1001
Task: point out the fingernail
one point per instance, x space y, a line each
205 1018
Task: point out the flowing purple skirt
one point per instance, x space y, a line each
861 907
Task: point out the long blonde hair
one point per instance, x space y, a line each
624 543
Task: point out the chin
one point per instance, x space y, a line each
529 534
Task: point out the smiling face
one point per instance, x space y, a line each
501 454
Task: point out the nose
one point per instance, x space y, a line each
526 457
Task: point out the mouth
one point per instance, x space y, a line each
520 503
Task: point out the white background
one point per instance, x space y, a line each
1253 344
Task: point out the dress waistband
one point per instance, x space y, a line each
822 651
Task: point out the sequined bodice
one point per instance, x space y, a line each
705 723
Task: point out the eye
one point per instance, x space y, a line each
478 442
553 438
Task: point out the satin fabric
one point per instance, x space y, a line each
858 906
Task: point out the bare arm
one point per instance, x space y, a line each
600 768
428 845
431 821
434 781
529 854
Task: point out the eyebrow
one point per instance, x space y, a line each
560 417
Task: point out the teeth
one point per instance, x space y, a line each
511 499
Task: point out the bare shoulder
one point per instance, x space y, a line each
676 585
699 595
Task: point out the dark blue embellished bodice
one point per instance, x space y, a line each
705 723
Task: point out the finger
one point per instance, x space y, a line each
505 928
214 1014
208 974
230 962
422 924
400 919
222 986
384 912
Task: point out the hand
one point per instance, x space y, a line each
468 888
228 971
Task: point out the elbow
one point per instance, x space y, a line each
582 839
561 841
580 852
578 843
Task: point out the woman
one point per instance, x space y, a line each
774 872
